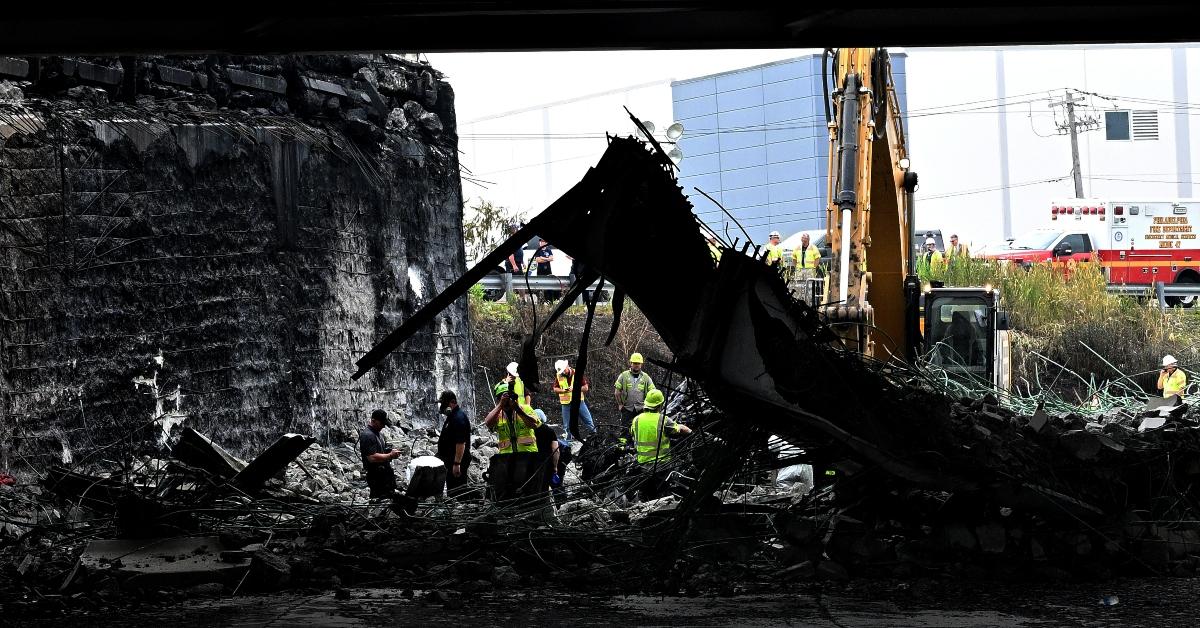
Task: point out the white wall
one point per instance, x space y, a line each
525 160
958 151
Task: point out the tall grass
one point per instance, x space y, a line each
1066 316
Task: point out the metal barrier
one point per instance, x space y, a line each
513 284
1158 289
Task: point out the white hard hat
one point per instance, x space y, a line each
930 241
774 234
511 368
560 366
1169 360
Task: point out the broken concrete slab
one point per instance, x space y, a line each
323 86
11 66
198 451
271 462
1151 423
259 82
156 563
175 76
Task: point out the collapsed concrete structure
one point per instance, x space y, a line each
210 241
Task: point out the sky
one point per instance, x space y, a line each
489 83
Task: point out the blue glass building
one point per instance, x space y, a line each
755 139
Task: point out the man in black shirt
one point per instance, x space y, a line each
377 456
543 256
453 446
515 262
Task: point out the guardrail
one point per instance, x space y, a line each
514 284
1157 289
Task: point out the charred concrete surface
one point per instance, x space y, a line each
209 241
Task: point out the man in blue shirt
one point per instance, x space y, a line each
454 443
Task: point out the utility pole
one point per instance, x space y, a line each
1070 99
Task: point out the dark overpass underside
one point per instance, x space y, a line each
444 26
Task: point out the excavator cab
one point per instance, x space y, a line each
965 333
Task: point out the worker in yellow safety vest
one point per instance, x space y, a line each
564 387
713 249
631 387
933 258
774 252
1171 380
805 260
518 385
512 467
649 433
650 429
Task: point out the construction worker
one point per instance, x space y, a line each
713 249
932 257
511 471
803 267
631 388
1171 380
774 252
518 386
564 383
649 433
957 250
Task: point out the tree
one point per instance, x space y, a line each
486 227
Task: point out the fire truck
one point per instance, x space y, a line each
1138 242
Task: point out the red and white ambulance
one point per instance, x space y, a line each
1138 242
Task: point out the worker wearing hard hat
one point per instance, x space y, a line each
517 385
774 251
713 249
933 258
649 432
631 389
564 386
513 464
1171 380
805 259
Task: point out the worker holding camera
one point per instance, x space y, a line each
513 469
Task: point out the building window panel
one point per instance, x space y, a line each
743 178
740 99
1116 125
693 89
695 107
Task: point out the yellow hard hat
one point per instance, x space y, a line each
636 358
654 398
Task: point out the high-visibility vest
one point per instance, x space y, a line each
774 254
634 395
1175 384
809 258
513 430
567 384
714 251
649 431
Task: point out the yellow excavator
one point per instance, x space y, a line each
884 312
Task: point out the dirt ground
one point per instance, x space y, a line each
1143 602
